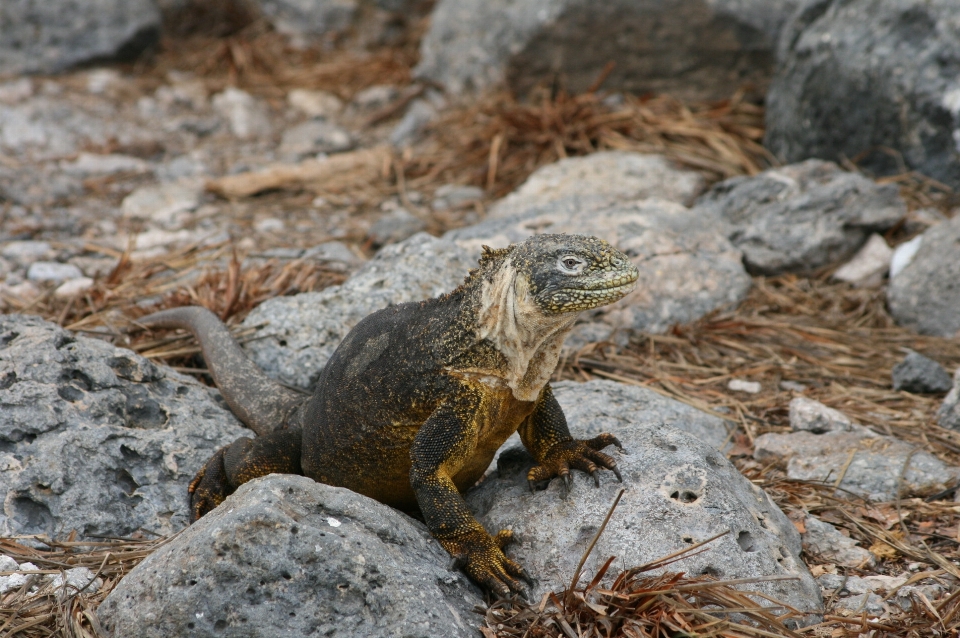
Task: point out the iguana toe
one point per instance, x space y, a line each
481 557
580 455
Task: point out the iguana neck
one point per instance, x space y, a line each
508 319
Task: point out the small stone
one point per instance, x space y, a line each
335 251
812 416
869 265
313 137
72 287
792 386
455 195
52 271
163 204
395 227
77 579
919 374
25 290
269 225
375 96
248 117
7 564
26 251
99 81
824 541
904 254
315 103
739 385
94 164
948 416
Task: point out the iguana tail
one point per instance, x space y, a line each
262 403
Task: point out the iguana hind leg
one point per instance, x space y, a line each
243 460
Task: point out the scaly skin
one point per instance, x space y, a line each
418 397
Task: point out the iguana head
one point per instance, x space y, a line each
569 273
530 293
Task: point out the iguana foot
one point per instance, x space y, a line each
209 487
481 557
580 455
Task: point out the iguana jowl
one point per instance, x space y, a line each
418 397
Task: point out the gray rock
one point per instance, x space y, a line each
807 415
52 271
305 19
874 594
924 295
248 117
697 49
617 174
680 491
871 464
163 204
418 115
395 227
315 103
95 438
302 331
49 36
285 556
856 78
313 137
26 252
917 373
948 416
687 267
607 406
802 217
823 541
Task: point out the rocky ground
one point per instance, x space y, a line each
782 374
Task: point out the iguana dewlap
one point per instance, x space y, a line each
418 397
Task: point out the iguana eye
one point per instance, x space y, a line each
570 264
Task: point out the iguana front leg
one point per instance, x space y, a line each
546 436
439 450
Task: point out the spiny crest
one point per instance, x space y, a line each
492 254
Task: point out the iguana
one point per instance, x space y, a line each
418 397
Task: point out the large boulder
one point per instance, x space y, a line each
621 175
285 556
801 217
679 491
874 80
687 266
95 438
296 335
697 49
48 36
924 295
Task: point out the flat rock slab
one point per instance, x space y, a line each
679 491
801 217
620 175
285 556
49 36
923 295
687 267
298 334
696 49
95 438
856 78
871 464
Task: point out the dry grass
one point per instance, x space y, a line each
65 613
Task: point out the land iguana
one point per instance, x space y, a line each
418 397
